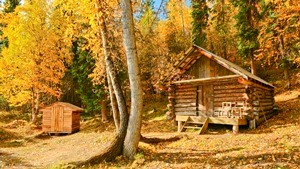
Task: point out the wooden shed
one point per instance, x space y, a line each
61 117
205 88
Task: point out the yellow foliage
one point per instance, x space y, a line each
38 50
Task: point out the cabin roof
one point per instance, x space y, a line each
187 60
64 104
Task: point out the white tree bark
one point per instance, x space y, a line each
113 102
135 118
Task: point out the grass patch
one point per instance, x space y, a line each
7 117
155 107
8 139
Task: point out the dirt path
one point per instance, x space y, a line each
54 150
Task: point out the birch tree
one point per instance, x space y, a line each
135 119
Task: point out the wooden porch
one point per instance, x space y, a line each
201 122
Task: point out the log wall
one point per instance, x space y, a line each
262 103
192 99
185 99
229 92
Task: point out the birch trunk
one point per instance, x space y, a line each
116 146
135 118
113 102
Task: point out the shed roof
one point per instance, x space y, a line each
64 104
186 61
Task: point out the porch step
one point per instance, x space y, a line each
191 127
192 123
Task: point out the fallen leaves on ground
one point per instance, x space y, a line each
274 144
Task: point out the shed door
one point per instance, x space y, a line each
205 100
57 119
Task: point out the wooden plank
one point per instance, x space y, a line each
185 109
262 108
208 99
214 120
233 86
192 93
185 105
264 93
179 127
204 127
261 100
213 68
230 99
206 79
181 118
187 89
186 113
199 99
185 101
197 119
235 129
219 61
180 87
243 90
264 113
264 104
186 97
231 95
229 121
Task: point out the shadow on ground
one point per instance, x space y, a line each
9 161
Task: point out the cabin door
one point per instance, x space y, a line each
57 119
205 100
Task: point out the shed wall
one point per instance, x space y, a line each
67 122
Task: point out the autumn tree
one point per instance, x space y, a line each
33 64
170 38
220 30
149 44
279 36
9 7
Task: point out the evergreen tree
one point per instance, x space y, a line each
10 5
200 17
247 20
82 65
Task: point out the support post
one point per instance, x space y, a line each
235 129
179 126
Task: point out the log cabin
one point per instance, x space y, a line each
207 89
61 117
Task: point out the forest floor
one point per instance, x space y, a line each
274 144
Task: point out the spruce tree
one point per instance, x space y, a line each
247 20
200 17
